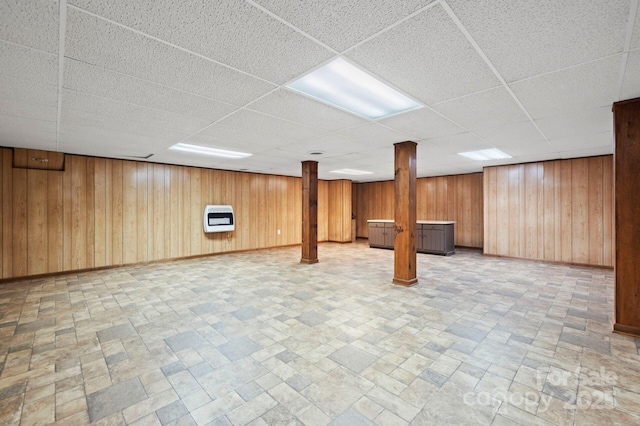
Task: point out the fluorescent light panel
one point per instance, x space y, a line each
485 154
341 84
203 150
351 172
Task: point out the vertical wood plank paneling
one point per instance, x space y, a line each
117 212
108 212
90 212
502 211
579 212
78 212
167 191
3 152
36 214
197 230
141 210
566 211
491 210
55 246
531 211
595 207
19 250
185 207
100 201
174 219
549 211
66 215
129 212
7 213
607 213
158 218
514 209
557 194
323 210
151 240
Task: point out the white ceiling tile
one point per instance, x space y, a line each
181 158
239 136
491 108
32 23
342 23
96 105
427 57
459 143
631 82
304 110
422 123
12 107
262 123
374 135
100 122
593 140
578 122
89 79
586 86
26 132
28 91
525 38
231 144
587 152
104 44
524 133
332 145
28 64
232 32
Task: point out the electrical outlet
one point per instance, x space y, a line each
278 232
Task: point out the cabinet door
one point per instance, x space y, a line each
434 240
376 235
389 235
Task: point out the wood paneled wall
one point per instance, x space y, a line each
339 210
456 198
104 212
554 210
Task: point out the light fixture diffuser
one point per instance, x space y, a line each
203 150
342 84
485 154
351 172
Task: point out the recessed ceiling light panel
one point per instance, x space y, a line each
485 154
342 84
351 172
203 150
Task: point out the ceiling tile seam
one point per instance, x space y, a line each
633 10
6 114
167 43
24 46
591 61
146 81
392 26
290 25
495 71
62 30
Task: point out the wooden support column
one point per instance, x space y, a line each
404 272
626 115
309 212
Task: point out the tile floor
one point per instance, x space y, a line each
258 338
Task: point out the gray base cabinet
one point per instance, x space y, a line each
433 238
381 235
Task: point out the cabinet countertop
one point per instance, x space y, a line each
424 222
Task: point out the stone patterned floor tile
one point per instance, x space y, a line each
258 338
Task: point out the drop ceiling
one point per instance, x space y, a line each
126 79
